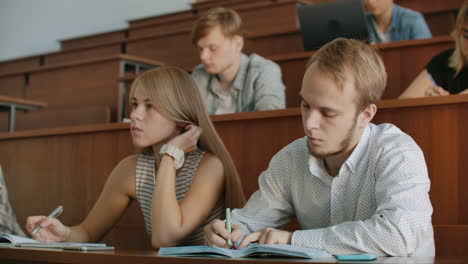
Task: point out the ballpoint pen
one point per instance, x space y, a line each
228 224
54 214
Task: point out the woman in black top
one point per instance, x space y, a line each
446 73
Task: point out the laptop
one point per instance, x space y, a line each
322 23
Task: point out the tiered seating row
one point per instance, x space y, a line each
84 83
167 37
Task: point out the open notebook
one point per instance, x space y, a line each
19 241
253 250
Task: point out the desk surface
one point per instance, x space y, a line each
14 255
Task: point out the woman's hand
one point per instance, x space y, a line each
435 91
52 229
187 141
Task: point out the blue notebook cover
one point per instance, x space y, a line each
253 250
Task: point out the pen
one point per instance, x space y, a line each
228 224
54 214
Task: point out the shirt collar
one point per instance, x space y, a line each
238 83
395 17
359 151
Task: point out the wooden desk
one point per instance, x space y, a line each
16 256
12 104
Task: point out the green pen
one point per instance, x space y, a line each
228 224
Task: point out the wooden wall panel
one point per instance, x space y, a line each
13 85
203 6
293 70
19 64
173 49
81 54
81 85
451 240
274 43
93 40
441 23
58 117
277 16
162 19
434 7
163 29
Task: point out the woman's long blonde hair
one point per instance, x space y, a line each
175 95
457 60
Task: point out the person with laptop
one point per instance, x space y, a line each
390 22
229 80
355 187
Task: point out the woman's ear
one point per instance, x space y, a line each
180 124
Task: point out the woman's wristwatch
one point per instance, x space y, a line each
176 153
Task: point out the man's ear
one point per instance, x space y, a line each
239 41
367 114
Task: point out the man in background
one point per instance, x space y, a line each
390 22
230 81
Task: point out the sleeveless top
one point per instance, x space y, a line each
145 184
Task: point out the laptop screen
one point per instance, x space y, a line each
322 23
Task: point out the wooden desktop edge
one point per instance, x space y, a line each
21 101
386 46
84 62
16 255
384 104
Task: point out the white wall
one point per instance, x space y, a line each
32 27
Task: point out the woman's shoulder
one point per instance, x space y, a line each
126 167
129 161
209 159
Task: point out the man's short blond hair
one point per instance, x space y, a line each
363 61
227 19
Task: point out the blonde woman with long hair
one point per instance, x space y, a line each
446 73
183 178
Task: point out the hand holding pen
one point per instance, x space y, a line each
47 228
223 234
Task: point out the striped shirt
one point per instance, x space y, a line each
145 184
